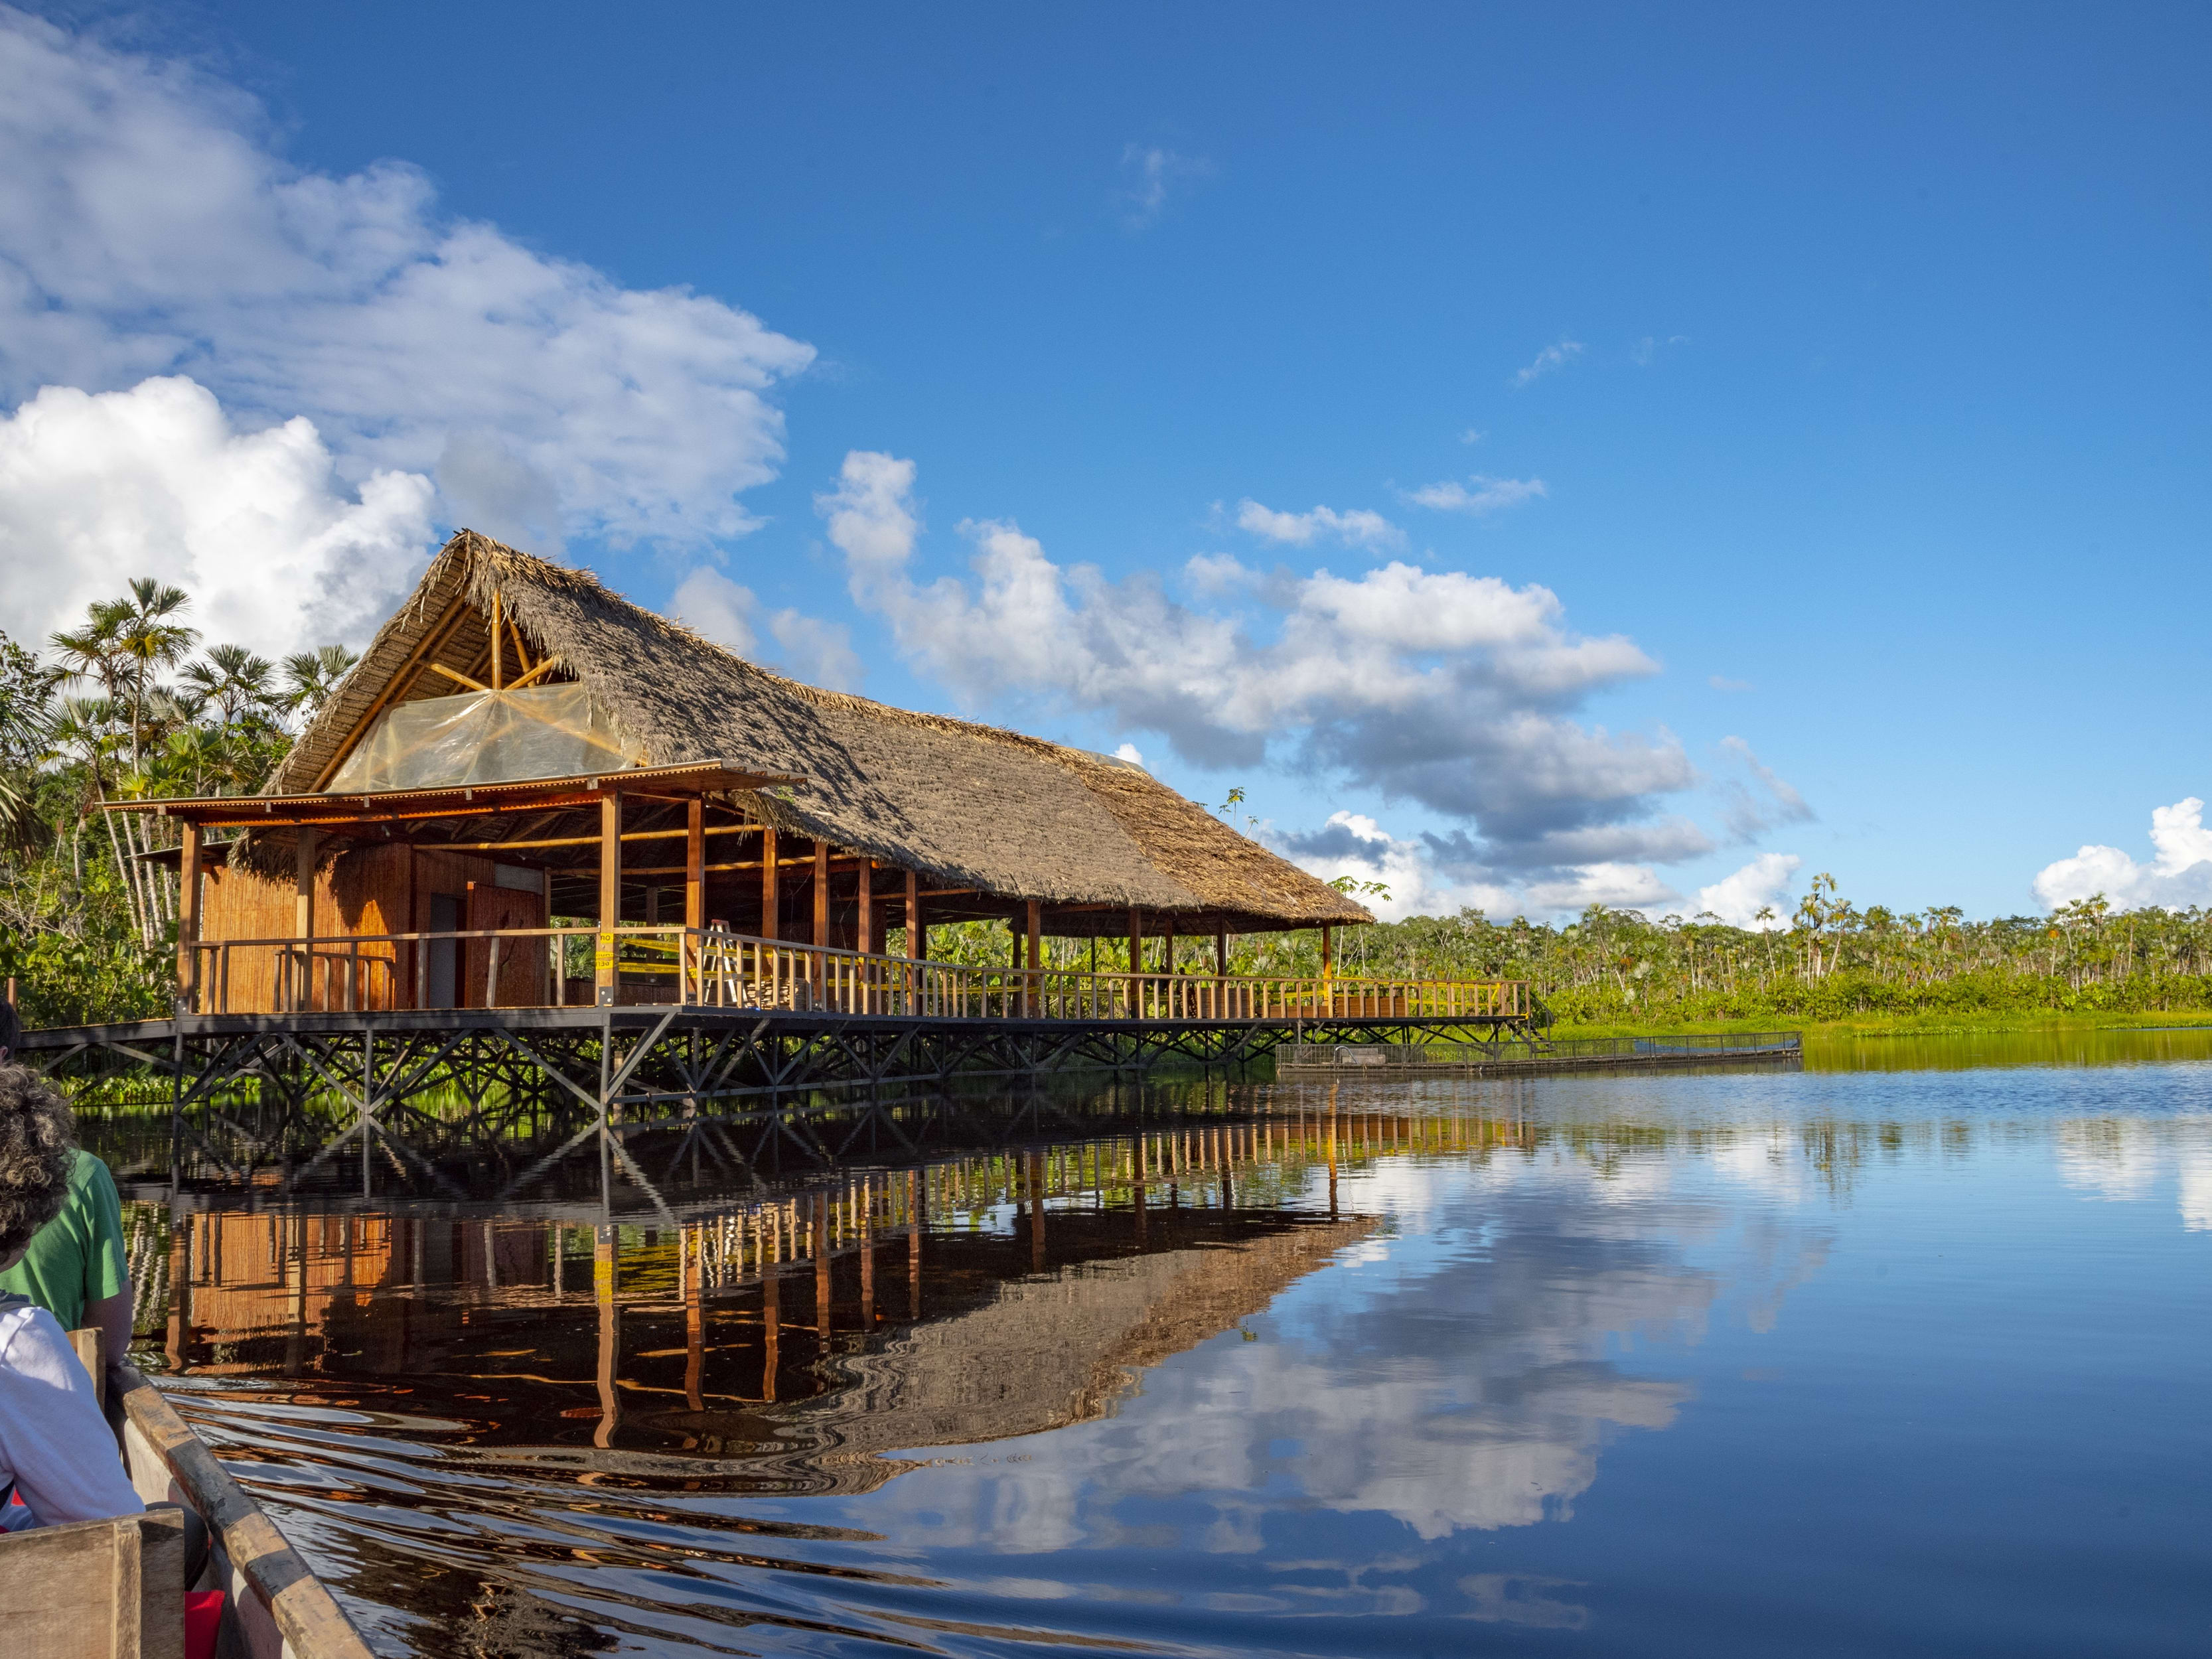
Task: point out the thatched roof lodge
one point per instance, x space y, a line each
460 778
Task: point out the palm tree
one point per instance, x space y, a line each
151 640
235 680
312 676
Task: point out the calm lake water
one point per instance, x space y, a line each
1909 1353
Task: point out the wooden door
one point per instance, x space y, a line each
521 982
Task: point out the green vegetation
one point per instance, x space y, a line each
118 708
121 707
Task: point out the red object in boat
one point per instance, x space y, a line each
203 1621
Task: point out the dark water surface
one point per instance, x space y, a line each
1896 1361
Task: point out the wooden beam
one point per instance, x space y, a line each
539 672
188 918
587 841
1328 956
917 936
864 923
456 674
498 645
402 678
821 892
771 899
521 654
1036 919
603 958
695 867
1136 940
1221 952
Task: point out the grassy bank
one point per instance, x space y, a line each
1938 1023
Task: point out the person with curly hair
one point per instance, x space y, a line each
58 1456
75 1269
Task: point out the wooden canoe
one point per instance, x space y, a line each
278 1608
115 1588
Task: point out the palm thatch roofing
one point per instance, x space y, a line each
967 806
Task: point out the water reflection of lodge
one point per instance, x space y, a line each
975 1299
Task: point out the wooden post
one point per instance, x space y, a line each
1221 952
917 936
1033 988
771 898
864 936
188 920
497 654
610 895
303 912
695 866
822 892
690 957
1136 956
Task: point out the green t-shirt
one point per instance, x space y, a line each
77 1257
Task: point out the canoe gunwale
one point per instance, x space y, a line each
297 1616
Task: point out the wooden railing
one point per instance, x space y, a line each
523 967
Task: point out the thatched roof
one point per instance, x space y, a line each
965 805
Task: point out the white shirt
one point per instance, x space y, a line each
54 1443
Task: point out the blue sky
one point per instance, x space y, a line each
1841 378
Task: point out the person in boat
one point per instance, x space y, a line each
75 1269
58 1456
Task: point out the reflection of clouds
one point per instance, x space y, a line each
1461 1376
2126 1160
2196 1183
1772 1161
1514 1598
2112 1158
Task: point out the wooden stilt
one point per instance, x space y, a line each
771 899
603 958
188 921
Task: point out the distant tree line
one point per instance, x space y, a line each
131 704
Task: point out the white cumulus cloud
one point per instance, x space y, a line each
1358 527
1451 689
149 226
278 552
1762 884
1486 494
2178 875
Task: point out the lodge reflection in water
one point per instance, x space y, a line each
987 1297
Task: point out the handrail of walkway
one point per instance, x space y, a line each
708 968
